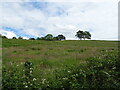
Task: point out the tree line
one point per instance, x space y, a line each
49 37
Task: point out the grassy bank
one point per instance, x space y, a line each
69 64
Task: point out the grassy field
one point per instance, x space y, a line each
49 63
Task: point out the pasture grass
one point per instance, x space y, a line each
52 59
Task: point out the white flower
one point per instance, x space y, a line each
21 62
30 71
17 65
43 81
30 84
76 74
65 78
26 86
34 79
69 71
30 68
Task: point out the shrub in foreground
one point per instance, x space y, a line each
98 72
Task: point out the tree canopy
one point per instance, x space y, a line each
31 38
3 36
60 37
87 35
14 38
20 37
83 34
49 37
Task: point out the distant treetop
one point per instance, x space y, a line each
83 34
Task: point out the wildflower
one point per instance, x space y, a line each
43 81
76 74
21 62
31 84
99 57
68 71
65 78
30 71
26 86
34 79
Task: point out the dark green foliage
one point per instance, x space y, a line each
19 79
20 37
43 38
60 37
35 48
99 72
54 38
14 51
87 35
14 38
38 38
28 65
83 34
31 38
49 37
70 50
57 65
81 50
104 71
80 34
4 37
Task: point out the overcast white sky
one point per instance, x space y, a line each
35 19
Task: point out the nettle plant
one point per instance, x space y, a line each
19 78
30 80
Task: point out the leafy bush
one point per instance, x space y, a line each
98 72
16 79
104 73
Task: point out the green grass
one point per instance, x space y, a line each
49 56
53 53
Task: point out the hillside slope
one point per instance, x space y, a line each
48 56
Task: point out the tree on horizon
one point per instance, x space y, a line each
20 37
83 34
49 37
60 37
